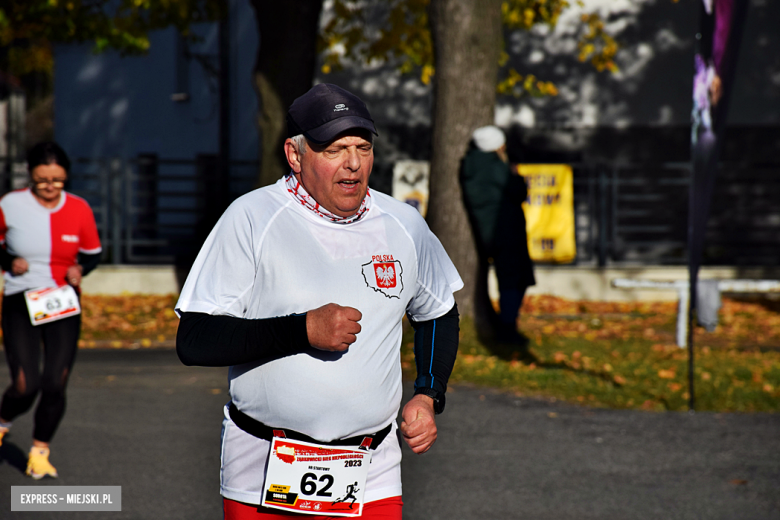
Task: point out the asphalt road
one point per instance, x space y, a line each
140 420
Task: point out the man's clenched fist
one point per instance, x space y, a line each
333 327
419 424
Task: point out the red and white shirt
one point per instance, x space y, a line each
50 239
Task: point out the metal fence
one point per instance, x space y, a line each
638 214
630 213
153 210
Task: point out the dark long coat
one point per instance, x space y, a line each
493 195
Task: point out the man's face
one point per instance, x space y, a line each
335 174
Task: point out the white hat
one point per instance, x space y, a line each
488 138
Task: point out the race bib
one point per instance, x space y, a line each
317 480
45 305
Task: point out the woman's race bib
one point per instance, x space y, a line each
45 305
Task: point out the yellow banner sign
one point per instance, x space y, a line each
549 212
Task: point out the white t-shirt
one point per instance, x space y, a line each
269 256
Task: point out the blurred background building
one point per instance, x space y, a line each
151 142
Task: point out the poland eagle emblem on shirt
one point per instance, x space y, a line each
384 274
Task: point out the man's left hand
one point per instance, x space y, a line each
419 423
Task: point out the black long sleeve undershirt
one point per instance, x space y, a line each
6 259
435 348
208 340
88 262
220 341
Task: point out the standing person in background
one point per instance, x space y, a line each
493 194
49 240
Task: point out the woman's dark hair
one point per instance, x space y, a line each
47 152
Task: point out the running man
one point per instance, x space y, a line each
350 495
301 288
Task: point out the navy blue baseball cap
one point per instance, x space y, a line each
326 111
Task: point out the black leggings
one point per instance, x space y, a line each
22 344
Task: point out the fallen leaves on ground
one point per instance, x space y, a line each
131 321
128 321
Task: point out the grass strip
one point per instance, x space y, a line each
621 355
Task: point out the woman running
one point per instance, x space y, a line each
50 241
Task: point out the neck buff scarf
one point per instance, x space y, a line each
301 195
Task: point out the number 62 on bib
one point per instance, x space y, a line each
315 479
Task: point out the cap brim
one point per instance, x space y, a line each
330 130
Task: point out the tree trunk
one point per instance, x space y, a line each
284 70
467 42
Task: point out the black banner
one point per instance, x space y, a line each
715 62
275 497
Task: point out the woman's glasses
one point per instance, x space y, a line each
55 183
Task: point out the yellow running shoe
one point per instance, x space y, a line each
3 431
38 465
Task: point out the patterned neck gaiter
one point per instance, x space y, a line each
301 195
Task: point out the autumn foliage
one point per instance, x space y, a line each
27 29
137 321
398 31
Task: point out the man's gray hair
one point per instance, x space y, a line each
300 143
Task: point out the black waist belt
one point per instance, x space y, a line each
263 431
